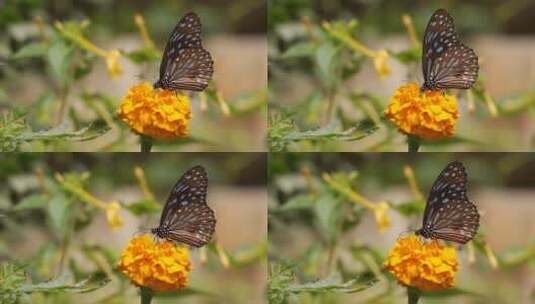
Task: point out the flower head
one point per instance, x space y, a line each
161 266
424 265
155 113
427 114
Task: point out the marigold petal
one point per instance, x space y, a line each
161 266
155 113
424 265
428 114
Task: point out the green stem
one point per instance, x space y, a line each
414 143
146 295
146 143
414 295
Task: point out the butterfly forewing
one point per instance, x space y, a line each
449 215
191 188
186 217
446 63
186 65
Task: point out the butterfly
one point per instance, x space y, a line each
446 62
449 215
185 65
186 218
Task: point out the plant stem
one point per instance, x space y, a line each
414 143
146 143
146 295
414 295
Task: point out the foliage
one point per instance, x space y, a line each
324 54
62 209
322 245
63 57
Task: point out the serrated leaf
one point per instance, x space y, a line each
60 132
62 285
332 132
332 283
31 50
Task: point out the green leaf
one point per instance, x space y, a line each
62 285
33 201
300 49
58 209
412 55
298 202
59 56
332 132
325 61
327 210
333 283
31 50
410 208
143 207
144 55
186 292
84 134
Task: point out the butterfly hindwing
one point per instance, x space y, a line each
191 69
185 65
456 221
193 225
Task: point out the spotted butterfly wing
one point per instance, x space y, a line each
186 218
186 65
446 62
449 215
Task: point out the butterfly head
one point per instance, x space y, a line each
423 232
429 85
160 232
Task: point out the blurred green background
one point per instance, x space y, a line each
325 96
57 96
40 221
325 248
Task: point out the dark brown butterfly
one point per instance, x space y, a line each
449 215
186 65
186 218
446 62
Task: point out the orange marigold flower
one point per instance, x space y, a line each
161 266
155 113
428 114
424 265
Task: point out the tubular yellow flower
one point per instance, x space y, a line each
423 265
380 211
428 114
380 62
112 62
156 113
160 266
112 215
